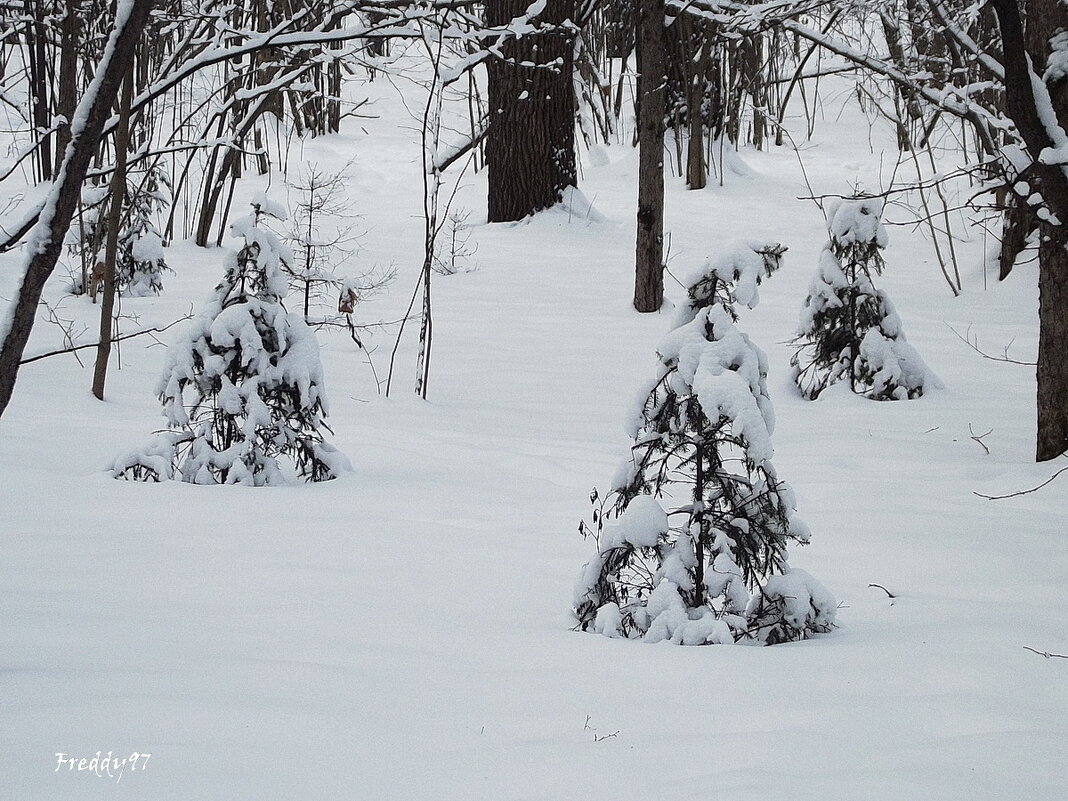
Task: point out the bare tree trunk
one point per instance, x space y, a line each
758 88
216 183
68 77
333 90
1052 346
117 200
696 169
530 143
1023 108
649 249
36 39
48 234
904 99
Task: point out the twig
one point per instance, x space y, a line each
881 587
67 326
974 346
1046 654
903 189
979 438
1022 492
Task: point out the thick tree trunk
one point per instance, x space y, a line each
530 144
1023 109
46 241
1052 345
649 249
1044 19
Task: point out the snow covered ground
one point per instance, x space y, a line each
403 633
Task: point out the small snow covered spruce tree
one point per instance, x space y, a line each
849 329
141 261
692 538
244 387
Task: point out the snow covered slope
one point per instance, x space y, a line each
403 633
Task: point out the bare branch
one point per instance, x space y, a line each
1045 483
1046 654
74 348
975 346
979 438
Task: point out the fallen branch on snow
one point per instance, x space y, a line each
1045 483
1046 654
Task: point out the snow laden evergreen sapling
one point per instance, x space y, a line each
849 329
141 262
692 538
243 390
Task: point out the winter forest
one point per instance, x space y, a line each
533 399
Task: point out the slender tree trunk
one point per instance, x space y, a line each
903 98
702 526
333 90
48 234
36 39
649 249
854 326
117 201
215 184
530 143
68 77
696 170
758 88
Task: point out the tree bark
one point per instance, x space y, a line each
46 239
1023 108
649 248
530 143
1052 345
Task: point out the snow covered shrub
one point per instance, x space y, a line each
692 537
244 386
849 329
141 261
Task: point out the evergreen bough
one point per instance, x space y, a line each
242 391
692 538
849 328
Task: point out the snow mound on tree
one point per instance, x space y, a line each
848 328
702 441
242 386
791 603
857 221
